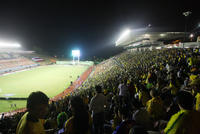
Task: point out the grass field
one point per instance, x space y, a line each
51 80
5 105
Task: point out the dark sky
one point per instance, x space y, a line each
92 26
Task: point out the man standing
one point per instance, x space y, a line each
97 104
123 89
32 121
123 92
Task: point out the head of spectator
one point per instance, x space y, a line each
138 130
61 119
195 84
37 104
124 113
125 82
153 93
185 100
98 89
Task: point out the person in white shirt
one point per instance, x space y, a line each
123 89
96 106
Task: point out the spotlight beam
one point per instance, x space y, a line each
124 34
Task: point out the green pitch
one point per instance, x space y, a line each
51 80
5 105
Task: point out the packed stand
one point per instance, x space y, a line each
132 93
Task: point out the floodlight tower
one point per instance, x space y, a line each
76 53
186 14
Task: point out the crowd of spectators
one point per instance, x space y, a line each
12 63
7 55
132 93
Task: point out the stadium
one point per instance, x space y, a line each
70 69
23 72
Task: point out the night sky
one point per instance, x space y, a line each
91 26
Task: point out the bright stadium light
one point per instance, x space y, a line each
76 53
162 35
9 45
191 35
146 35
158 47
124 34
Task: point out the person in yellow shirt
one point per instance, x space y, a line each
155 106
195 84
32 121
173 85
186 121
194 73
143 97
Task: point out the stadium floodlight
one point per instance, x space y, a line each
76 53
162 35
124 34
191 35
158 47
9 45
146 35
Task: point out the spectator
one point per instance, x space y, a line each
123 89
186 121
61 119
2 116
126 124
142 117
143 96
195 84
116 120
32 121
97 105
138 130
155 106
80 122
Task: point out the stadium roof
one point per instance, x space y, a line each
148 38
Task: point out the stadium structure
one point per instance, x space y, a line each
22 72
12 60
149 39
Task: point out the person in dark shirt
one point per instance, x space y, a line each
126 124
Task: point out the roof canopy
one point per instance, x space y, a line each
148 38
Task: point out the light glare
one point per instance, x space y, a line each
146 35
6 45
162 35
124 34
191 35
76 53
158 47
